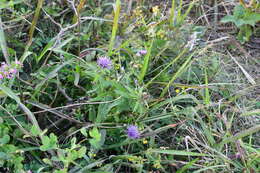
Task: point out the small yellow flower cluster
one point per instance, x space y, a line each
179 90
92 154
136 159
161 34
138 12
157 164
117 66
145 141
155 10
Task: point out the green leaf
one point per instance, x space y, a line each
228 18
96 141
45 143
4 156
239 11
5 139
49 143
35 131
84 132
252 19
94 133
82 152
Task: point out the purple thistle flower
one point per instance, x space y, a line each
132 132
1 76
13 71
104 62
18 63
141 52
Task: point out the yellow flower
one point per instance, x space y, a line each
145 141
177 91
92 155
155 9
117 66
157 165
161 34
138 12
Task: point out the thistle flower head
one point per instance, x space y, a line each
8 71
141 52
104 62
132 132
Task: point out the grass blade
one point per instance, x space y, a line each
172 13
146 64
177 74
32 28
171 63
209 168
250 113
3 42
187 166
30 115
115 27
207 97
79 8
241 135
35 19
176 152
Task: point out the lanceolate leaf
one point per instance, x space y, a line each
176 152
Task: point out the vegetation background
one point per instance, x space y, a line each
109 86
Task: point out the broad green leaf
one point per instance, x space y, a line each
94 133
35 131
82 152
252 19
4 139
239 11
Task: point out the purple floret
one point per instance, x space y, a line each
104 62
141 52
132 132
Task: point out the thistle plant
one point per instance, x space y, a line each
9 71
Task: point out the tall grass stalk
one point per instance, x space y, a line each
207 97
172 13
3 43
145 64
171 63
178 73
115 26
32 28
241 134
